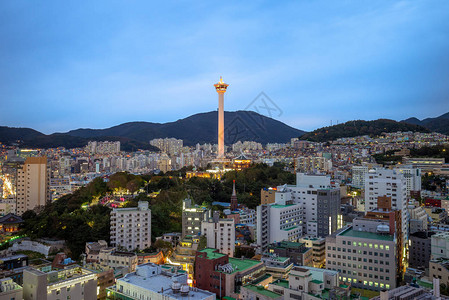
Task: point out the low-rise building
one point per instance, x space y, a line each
318 246
410 292
155 258
73 282
185 253
118 259
277 266
311 284
439 268
150 281
251 291
9 290
297 252
224 275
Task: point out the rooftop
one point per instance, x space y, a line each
159 282
366 235
212 253
281 282
243 264
262 291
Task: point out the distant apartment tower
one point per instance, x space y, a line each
131 227
170 146
412 178
385 187
220 234
164 163
33 181
106 147
358 176
313 164
192 217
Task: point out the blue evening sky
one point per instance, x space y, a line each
72 64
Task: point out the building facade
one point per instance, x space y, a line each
220 234
33 181
131 227
364 259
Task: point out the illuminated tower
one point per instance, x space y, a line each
221 89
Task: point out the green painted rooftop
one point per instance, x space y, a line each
211 254
262 291
366 235
317 281
281 282
243 264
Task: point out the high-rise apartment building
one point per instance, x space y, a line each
387 189
33 181
358 176
313 164
94 147
170 146
412 178
131 227
319 201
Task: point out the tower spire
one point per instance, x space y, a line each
234 204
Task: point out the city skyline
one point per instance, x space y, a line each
69 66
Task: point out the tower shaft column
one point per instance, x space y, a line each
221 87
220 125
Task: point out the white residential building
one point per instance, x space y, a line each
319 201
151 282
247 216
276 222
131 227
388 184
412 178
358 176
440 245
73 282
220 234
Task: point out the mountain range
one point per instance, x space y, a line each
360 127
439 124
198 128
202 128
